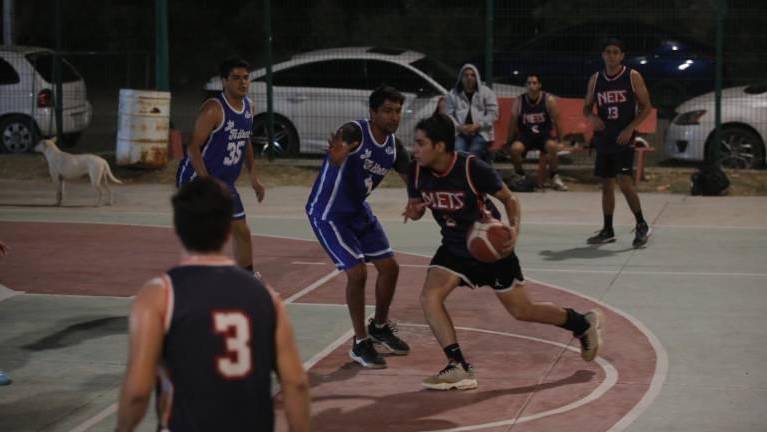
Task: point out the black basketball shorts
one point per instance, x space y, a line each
501 275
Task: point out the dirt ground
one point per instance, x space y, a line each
282 173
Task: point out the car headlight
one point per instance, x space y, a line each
689 118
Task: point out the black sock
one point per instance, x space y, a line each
575 322
640 218
454 354
608 222
249 268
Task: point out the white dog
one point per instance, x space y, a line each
65 166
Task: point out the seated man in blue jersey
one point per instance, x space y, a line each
534 125
456 188
361 153
208 335
473 107
221 136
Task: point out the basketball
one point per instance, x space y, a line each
486 238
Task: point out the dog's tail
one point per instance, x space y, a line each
111 176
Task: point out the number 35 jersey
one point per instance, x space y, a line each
219 349
225 149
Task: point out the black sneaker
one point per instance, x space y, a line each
606 235
642 232
364 353
386 337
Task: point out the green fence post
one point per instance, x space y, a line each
271 150
162 70
58 99
489 13
715 150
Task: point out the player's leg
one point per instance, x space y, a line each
461 143
518 151
445 273
605 169
241 243
375 247
552 157
478 147
625 179
342 246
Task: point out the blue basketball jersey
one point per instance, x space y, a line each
225 149
343 189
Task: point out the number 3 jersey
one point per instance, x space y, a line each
344 189
225 149
219 349
616 106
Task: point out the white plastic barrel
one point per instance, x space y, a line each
142 128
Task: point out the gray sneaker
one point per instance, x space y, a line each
591 339
453 376
557 183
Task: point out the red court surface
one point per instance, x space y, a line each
529 380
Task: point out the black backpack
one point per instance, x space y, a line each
522 183
709 181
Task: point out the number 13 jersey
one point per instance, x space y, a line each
616 106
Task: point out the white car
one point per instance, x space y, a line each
744 127
317 91
26 99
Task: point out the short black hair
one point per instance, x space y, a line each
614 42
535 74
382 94
226 66
202 214
439 128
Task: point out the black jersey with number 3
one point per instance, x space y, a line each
454 197
219 351
616 105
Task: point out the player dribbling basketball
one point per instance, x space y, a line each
455 187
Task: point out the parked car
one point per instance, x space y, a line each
675 68
27 99
744 127
317 91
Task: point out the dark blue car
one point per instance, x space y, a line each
674 68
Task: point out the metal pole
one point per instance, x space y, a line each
59 94
162 81
489 12
715 150
8 22
269 96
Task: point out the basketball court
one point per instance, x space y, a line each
684 341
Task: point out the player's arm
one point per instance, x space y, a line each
643 101
588 104
255 182
553 109
513 213
146 337
488 118
415 207
487 181
293 380
343 142
210 117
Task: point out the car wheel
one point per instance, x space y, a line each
17 134
740 148
284 142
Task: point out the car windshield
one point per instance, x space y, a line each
438 71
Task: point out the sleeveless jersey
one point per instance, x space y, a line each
225 149
343 189
455 196
219 351
616 106
534 120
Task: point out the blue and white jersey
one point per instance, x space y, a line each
225 149
344 189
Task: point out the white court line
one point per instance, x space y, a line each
559 270
313 286
611 378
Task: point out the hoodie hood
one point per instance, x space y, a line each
459 83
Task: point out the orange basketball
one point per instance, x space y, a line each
486 238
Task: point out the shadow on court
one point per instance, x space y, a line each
585 252
82 331
414 408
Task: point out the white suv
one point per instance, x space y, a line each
317 91
26 99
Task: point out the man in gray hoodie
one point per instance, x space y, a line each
474 109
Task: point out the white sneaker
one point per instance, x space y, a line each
591 339
557 183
